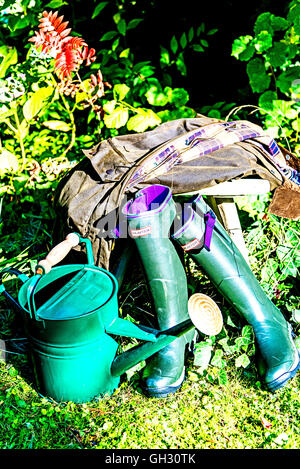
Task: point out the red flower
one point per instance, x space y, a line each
88 55
50 23
53 38
97 82
68 51
67 61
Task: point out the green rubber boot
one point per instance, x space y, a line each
150 216
207 242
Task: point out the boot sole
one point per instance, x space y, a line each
283 379
165 391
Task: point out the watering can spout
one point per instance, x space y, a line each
137 354
204 315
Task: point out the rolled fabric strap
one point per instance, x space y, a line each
210 220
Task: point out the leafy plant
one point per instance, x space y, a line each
192 40
273 70
216 352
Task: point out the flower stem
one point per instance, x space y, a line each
71 117
19 133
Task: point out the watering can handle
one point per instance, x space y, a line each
21 276
60 251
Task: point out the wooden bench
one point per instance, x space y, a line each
221 199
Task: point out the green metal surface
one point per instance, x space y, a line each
69 314
71 352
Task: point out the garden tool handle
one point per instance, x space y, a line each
60 251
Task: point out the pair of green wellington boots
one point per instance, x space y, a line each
150 216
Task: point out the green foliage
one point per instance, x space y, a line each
143 87
192 40
218 351
273 69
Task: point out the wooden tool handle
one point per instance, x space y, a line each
58 253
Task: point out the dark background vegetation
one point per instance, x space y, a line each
212 76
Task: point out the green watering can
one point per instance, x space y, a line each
70 314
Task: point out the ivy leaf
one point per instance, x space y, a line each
289 262
218 360
242 360
259 80
269 269
228 349
222 378
117 118
142 120
202 355
247 332
245 340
